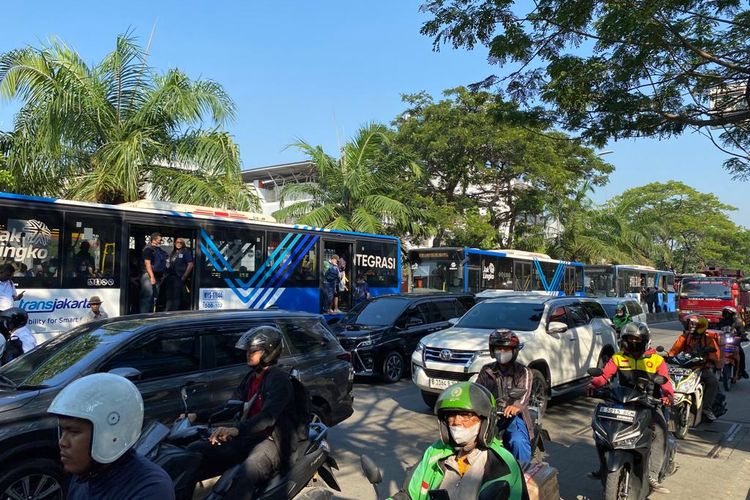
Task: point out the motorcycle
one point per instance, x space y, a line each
540 434
687 409
731 354
166 447
623 436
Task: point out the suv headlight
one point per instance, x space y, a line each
419 348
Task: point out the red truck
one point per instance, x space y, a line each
708 295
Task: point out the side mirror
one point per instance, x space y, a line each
660 379
595 372
414 322
234 404
130 373
372 472
334 320
556 328
453 321
660 348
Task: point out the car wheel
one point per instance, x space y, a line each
392 369
539 393
430 398
38 478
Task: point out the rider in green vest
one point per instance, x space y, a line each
621 317
468 461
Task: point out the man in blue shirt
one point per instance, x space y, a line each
100 418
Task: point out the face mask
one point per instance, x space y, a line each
503 357
464 435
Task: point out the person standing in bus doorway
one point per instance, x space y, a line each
179 266
154 263
331 284
8 293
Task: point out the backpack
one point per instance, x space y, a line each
13 349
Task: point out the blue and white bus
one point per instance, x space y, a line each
241 260
470 270
629 280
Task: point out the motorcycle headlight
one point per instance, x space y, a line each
628 438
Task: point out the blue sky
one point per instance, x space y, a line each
318 70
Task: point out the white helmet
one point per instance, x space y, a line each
114 407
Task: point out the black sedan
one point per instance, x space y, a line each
160 353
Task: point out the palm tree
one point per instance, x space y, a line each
112 131
355 191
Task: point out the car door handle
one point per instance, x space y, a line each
573 339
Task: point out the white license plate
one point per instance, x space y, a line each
441 383
614 413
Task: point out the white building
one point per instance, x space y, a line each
268 181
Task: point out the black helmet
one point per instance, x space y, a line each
635 337
15 317
264 338
729 312
504 337
467 396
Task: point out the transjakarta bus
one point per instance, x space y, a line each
242 260
625 280
473 270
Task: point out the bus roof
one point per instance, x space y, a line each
202 213
517 254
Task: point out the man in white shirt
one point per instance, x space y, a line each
8 293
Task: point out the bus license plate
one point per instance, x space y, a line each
440 383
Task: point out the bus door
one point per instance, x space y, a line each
173 264
342 292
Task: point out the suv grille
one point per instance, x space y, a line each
447 355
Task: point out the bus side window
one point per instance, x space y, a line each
91 252
30 241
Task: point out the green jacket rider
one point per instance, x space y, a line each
621 317
468 461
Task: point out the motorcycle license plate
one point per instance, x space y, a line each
616 413
441 383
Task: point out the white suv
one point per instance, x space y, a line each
563 337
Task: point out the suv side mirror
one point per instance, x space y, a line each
556 328
453 321
595 372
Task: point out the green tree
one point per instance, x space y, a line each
480 152
689 229
353 192
614 69
110 131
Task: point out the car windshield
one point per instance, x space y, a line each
706 289
50 363
378 312
513 315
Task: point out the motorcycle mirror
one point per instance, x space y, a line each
595 372
373 474
660 348
660 379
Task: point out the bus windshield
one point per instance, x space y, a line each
437 271
706 289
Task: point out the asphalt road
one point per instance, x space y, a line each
393 426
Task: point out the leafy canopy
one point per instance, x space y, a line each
617 68
354 192
111 131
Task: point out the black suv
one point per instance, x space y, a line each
160 354
383 332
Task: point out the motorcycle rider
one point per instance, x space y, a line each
730 319
266 432
621 317
635 359
468 457
502 376
19 337
696 337
99 420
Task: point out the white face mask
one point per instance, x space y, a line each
464 435
503 357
